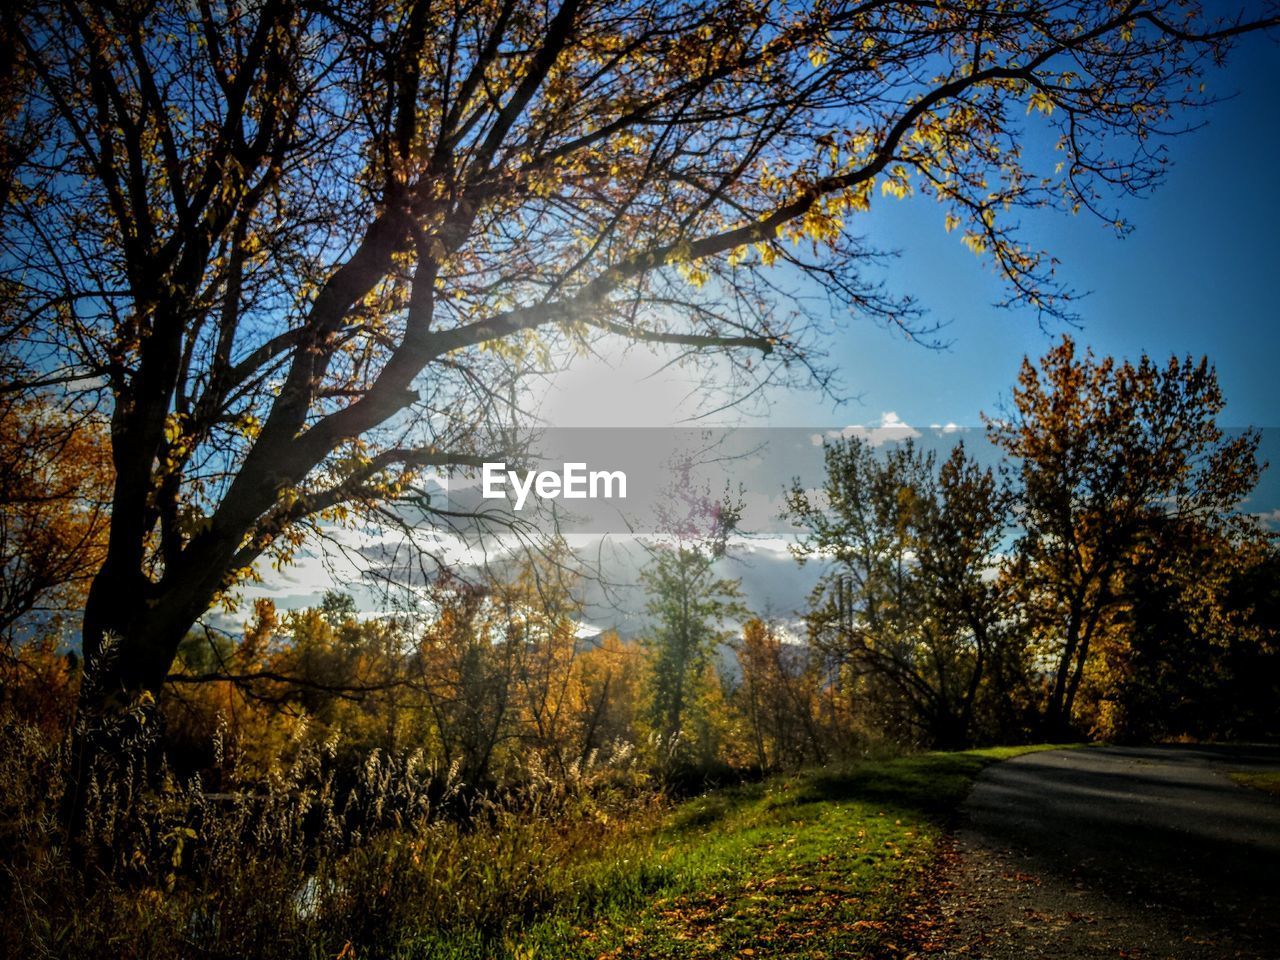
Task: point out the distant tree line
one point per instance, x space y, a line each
1100 582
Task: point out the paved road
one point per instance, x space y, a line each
1117 852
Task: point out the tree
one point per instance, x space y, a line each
688 606
497 668
486 684
906 602
54 471
780 696
300 249
1189 653
608 694
1106 456
959 553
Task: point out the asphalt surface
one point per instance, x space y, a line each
1117 852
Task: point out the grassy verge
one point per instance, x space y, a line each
811 865
1267 780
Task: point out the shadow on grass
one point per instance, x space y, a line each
929 784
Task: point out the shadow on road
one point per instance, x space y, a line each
1161 831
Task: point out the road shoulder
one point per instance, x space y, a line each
1039 866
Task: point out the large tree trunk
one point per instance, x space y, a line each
1057 718
130 640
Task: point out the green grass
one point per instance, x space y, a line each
811 865
1266 780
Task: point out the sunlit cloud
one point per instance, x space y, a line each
890 429
1269 519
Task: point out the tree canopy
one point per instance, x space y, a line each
303 251
908 610
1110 459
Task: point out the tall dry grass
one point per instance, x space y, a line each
397 859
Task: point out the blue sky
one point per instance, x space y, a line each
1197 275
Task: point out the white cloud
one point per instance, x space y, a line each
775 546
1269 519
891 429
